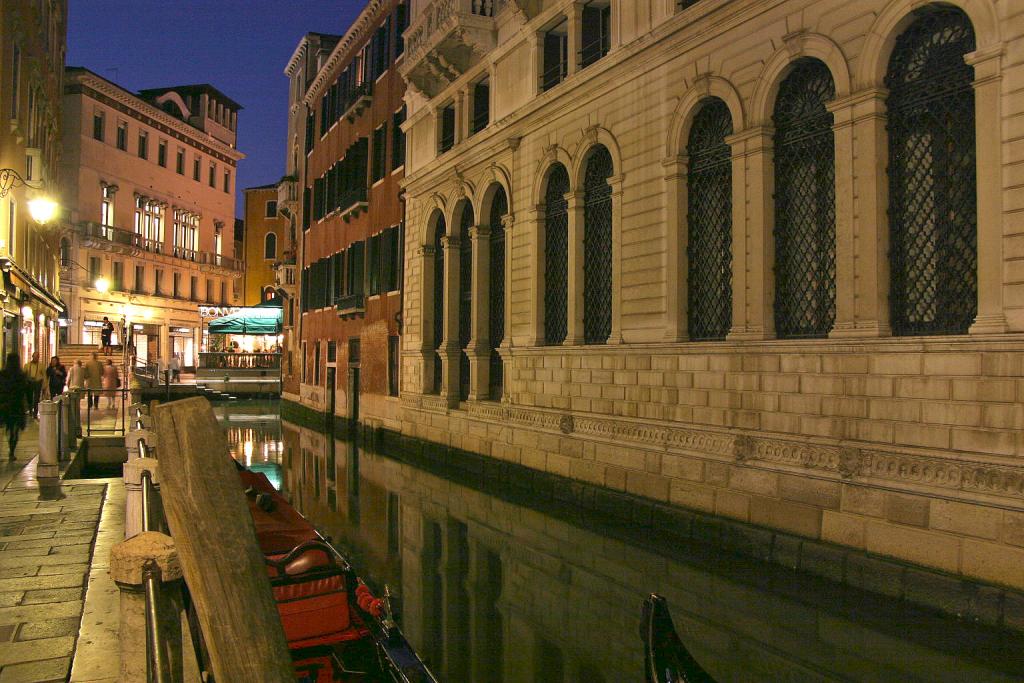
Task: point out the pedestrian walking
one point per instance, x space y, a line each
175 368
106 335
36 373
111 381
94 379
15 395
56 377
76 376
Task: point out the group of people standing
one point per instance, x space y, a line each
21 389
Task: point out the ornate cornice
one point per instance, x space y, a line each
356 35
93 85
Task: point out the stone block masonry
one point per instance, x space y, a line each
46 547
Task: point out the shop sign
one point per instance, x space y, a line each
181 330
217 311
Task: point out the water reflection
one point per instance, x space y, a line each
494 589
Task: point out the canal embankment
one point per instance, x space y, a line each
955 595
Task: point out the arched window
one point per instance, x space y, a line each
465 297
438 245
65 252
270 246
556 255
496 321
709 223
269 293
597 247
805 204
932 183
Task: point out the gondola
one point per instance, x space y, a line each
337 631
666 659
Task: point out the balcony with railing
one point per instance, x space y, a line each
109 238
351 305
287 195
448 38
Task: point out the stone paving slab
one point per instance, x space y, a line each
47 536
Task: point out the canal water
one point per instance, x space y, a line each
492 588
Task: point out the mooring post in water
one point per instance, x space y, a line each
134 511
129 561
216 540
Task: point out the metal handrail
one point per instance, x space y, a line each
156 666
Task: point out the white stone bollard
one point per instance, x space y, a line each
47 468
127 561
68 437
133 470
131 442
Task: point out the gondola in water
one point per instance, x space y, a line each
337 631
666 659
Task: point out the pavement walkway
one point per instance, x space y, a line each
49 537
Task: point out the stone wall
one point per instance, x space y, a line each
904 447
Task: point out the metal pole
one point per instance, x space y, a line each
88 412
147 495
167 385
156 669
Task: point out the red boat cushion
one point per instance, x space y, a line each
313 616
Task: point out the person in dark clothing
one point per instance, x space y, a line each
56 376
15 391
106 333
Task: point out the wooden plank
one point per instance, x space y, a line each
216 541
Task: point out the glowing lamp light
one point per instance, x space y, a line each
42 209
102 285
26 312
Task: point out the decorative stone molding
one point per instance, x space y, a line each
844 462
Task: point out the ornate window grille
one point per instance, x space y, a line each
709 223
932 182
438 302
597 248
556 256
496 321
465 297
805 206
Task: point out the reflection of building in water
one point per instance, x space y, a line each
495 590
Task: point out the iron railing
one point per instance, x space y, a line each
709 224
240 361
597 248
805 207
556 256
932 176
496 312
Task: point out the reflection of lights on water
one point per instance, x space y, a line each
247 451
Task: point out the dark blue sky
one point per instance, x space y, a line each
239 46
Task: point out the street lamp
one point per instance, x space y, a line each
102 285
42 209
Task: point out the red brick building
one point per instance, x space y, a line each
351 223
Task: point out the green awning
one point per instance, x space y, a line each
250 320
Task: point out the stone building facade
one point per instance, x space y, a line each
757 258
32 47
265 241
309 56
351 222
150 181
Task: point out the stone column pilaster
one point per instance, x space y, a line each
425 254
676 242
479 344
534 233
987 63
574 17
862 223
753 245
574 309
450 348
